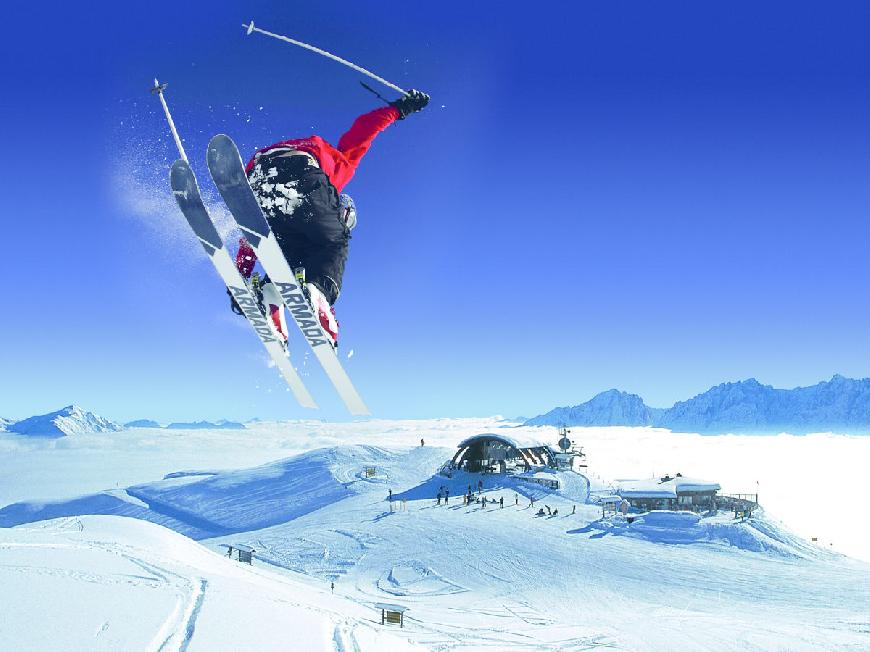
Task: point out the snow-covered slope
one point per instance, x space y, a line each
480 577
109 583
474 578
71 420
498 576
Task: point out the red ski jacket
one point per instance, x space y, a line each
340 164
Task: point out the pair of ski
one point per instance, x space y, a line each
228 171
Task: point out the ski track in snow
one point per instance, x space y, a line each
343 638
177 630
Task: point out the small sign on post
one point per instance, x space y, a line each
392 614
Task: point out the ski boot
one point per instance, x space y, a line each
325 313
271 304
268 299
246 258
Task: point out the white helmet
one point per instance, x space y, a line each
348 210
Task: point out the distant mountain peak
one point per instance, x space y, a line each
69 420
751 382
747 384
611 407
72 411
611 393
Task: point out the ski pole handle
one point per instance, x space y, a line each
250 29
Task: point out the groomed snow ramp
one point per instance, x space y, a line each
220 503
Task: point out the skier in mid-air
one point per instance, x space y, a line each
298 184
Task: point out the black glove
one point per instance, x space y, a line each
411 103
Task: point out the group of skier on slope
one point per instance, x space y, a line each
298 184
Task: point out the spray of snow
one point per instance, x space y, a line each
140 185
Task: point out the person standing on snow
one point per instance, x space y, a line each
298 184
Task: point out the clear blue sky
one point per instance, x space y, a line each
651 196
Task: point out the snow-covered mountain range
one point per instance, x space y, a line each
841 404
71 420
142 423
223 424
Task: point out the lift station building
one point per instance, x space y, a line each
491 453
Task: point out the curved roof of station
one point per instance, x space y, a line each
517 440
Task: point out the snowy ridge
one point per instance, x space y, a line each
71 420
204 504
256 498
840 404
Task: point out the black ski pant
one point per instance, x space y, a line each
302 208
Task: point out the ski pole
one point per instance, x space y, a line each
250 28
158 89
